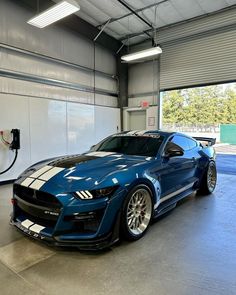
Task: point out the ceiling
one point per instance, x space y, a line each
161 13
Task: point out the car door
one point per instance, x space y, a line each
178 172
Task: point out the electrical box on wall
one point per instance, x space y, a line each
151 118
11 141
15 144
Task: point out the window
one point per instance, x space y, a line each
181 141
192 143
184 142
132 145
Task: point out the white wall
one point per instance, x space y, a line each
53 120
51 128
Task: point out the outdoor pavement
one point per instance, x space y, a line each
226 164
226 159
225 148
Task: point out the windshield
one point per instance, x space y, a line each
131 145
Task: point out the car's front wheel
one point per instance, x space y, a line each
137 212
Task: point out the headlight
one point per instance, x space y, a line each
103 192
84 195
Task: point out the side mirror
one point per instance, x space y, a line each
92 147
173 150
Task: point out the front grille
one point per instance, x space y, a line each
37 220
36 197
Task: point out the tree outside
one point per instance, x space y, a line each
200 110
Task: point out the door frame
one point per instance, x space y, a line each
151 112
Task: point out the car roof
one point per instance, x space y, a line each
145 132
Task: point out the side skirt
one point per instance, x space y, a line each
171 203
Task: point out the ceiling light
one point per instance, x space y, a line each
53 14
141 54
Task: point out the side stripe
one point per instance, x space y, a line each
167 197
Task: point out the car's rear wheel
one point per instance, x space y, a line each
137 212
209 179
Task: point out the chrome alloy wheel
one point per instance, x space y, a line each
139 211
211 177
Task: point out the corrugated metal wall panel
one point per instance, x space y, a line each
197 26
205 60
30 89
55 42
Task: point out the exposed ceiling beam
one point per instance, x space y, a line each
126 37
137 15
112 20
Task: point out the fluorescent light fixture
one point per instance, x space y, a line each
53 14
141 54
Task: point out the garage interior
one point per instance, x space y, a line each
66 88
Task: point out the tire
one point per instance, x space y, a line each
208 182
136 213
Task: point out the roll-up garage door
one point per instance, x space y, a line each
199 61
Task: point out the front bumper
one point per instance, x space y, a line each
86 244
68 225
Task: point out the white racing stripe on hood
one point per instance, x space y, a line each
52 172
27 181
41 176
100 154
37 184
42 170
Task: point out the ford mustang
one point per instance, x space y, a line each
115 189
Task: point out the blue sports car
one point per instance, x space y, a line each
115 189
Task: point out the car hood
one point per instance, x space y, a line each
87 171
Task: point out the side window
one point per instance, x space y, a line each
181 141
192 144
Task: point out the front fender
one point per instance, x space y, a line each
154 186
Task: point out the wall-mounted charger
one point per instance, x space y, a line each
15 144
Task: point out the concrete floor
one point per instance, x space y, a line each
192 250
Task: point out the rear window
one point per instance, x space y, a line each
184 142
132 145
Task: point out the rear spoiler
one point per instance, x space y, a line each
210 141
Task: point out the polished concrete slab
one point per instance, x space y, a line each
192 250
12 283
14 255
7 235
